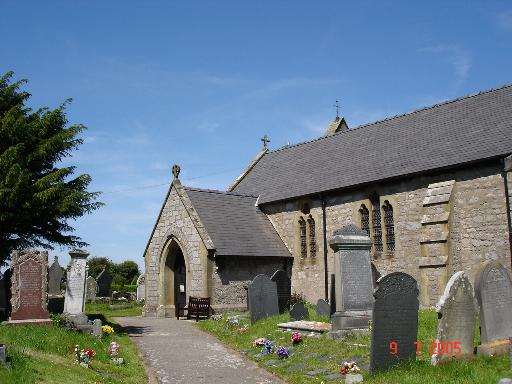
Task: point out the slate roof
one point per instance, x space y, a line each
457 132
236 226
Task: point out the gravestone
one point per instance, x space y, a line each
284 289
54 277
121 296
299 312
262 293
493 287
394 321
28 287
55 296
141 287
104 281
75 286
323 308
91 289
457 317
96 329
353 279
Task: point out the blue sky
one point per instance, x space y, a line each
199 83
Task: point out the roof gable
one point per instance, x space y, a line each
461 131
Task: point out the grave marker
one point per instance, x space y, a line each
394 321
353 278
493 287
104 281
299 312
91 289
262 293
323 308
28 286
284 289
141 287
55 274
75 286
457 317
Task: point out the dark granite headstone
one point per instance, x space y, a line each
323 308
104 281
353 278
28 285
55 274
284 289
395 320
457 317
262 293
493 287
299 312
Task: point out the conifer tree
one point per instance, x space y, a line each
37 197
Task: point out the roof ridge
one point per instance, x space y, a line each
395 117
218 192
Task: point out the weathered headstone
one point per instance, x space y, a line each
96 329
104 281
353 278
55 277
262 294
28 286
323 308
493 287
91 289
457 317
284 289
394 321
75 286
141 287
299 312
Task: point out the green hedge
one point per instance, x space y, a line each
126 287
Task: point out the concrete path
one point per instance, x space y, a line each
179 353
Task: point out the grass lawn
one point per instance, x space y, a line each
103 308
45 354
481 370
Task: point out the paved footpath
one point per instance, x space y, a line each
179 353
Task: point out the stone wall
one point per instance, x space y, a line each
478 227
233 274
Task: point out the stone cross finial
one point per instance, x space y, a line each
176 171
265 140
337 110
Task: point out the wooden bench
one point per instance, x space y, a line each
198 308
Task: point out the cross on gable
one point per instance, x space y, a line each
176 170
337 109
265 140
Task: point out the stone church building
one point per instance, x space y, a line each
432 188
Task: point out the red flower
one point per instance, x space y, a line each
90 353
343 370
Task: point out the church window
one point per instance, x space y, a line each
389 226
377 228
305 209
303 238
312 240
365 219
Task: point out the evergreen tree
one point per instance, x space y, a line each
38 198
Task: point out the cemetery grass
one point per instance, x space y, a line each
312 350
45 354
104 309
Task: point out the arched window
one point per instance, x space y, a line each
312 240
377 228
365 219
389 226
303 238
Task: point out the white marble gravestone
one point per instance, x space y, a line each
75 286
141 287
457 317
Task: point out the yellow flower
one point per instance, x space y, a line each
107 329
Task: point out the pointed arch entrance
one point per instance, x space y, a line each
173 279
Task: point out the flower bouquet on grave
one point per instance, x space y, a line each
283 352
349 367
113 351
259 342
243 329
83 357
296 337
268 348
107 329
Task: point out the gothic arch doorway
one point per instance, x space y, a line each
173 283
